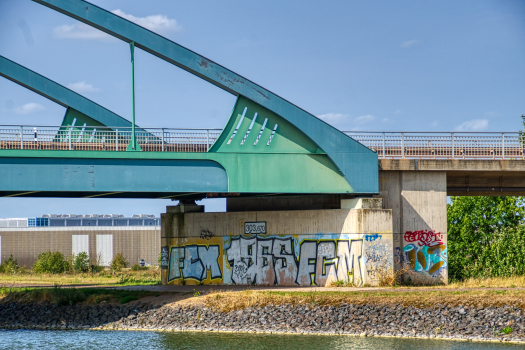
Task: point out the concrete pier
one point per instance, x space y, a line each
295 247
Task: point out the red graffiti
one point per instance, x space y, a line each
424 237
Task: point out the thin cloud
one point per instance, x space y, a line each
157 23
409 43
82 87
364 119
29 108
345 122
334 119
80 31
473 125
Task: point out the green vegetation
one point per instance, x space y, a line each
70 296
9 266
506 330
81 262
51 262
137 267
486 237
119 262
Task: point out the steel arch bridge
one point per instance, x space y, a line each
269 146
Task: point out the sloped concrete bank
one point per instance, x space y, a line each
459 323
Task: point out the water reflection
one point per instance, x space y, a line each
102 340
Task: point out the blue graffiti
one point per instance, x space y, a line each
371 238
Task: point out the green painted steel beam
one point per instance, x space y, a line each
287 173
357 163
59 93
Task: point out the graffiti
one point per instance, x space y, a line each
397 255
429 259
206 234
429 254
371 238
194 262
308 260
378 260
424 237
262 260
164 257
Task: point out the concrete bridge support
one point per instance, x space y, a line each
418 202
294 247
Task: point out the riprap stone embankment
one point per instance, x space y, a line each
466 323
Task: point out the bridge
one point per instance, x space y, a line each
306 203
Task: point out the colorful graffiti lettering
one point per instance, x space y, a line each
321 262
194 261
424 237
371 238
429 254
279 260
429 259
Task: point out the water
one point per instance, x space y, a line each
115 340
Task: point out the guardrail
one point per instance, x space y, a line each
394 145
450 145
97 138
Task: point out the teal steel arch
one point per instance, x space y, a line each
356 163
90 111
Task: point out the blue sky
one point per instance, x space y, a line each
359 65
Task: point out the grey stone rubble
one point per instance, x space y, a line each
443 322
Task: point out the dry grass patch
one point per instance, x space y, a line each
494 282
228 301
107 278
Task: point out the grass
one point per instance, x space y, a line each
227 301
70 296
494 282
124 278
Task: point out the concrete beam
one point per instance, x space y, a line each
465 177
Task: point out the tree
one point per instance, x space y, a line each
50 262
81 262
472 226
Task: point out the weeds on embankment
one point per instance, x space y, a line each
106 277
70 296
227 301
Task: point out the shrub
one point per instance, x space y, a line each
81 262
119 262
50 262
137 267
9 266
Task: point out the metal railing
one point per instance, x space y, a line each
96 138
441 145
394 145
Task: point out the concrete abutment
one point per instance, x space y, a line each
315 241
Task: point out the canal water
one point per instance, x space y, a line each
128 340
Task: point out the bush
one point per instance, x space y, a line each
81 262
50 262
9 266
137 267
93 268
119 262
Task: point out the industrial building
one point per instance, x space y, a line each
101 236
